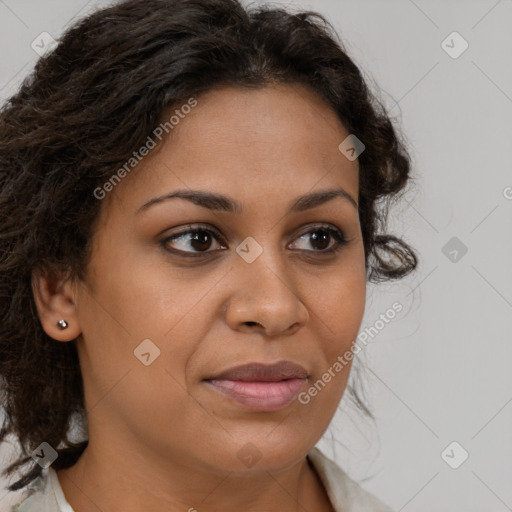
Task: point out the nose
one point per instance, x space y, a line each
265 299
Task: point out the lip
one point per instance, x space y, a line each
261 387
261 372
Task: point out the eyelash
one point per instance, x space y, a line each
337 234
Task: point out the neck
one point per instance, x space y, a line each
102 479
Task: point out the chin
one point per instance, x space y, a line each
250 456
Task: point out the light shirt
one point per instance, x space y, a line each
45 494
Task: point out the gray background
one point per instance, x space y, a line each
440 371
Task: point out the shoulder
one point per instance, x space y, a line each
346 494
29 497
39 495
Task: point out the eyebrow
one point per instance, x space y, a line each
213 201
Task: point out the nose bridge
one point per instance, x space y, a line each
263 265
264 291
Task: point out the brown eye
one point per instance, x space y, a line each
320 239
199 239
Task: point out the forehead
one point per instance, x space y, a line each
276 118
270 141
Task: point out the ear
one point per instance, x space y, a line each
55 298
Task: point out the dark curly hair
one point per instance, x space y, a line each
89 104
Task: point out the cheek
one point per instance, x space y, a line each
127 309
339 302
346 310
339 312
136 300
140 299
339 306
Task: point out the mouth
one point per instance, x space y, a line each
261 387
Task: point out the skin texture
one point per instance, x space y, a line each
159 437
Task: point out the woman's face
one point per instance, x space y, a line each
256 284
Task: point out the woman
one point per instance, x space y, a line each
189 218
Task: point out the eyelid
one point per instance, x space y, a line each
197 226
